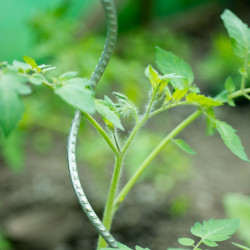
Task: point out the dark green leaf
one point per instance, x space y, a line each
74 93
184 146
186 242
168 63
215 230
231 139
238 32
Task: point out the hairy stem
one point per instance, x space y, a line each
102 132
108 212
152 155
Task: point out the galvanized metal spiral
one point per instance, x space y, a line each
111 21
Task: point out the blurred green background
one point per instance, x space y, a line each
36 198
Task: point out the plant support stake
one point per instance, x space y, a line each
111 21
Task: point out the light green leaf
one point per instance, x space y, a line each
168 94
21 66
32 63
120 245
210 243
186 241
231 139
11 107
202 100
215 230
241 246
74 93
36 79
229 84
184 146
140 248
179 94
211 125
109 116
168 63
238 206
238 32
159 82
68 75
243 72
178 249
120 96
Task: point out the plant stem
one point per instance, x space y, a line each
108 212
152 155
197 245
243 77
239 93
102 132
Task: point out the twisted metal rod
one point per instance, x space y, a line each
111 20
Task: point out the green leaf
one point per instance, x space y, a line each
178 249
168 63
74 93
211 125
202 100
186 241
243 72
231 139
140 248
21 66
210 243
215 230
120 96
241 246
229 84
184 146
124 106
159 82
238 206
179 94
238 32
36 79
32 63
120 245
11 107
68 75
109 116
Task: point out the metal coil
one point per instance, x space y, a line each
111 20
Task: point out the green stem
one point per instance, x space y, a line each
102 132
198 244
243 78
239 93
152 155
108 212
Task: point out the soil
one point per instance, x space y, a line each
38 208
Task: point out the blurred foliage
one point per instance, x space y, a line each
238 206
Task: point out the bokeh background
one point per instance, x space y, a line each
38 209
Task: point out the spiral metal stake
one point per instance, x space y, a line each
111 20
